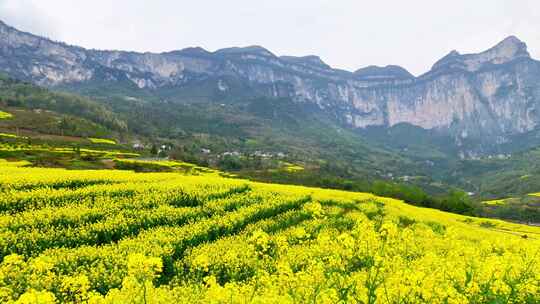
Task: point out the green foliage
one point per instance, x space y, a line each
455 201
524 209
18 94
231 163
72 155
154 150
487 224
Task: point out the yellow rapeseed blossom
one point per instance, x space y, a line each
103 237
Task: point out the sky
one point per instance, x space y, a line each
346 34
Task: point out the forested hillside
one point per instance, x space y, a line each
81 114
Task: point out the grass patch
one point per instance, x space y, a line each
497 202
8 135
5 115
138 165
102 141
487 224
436 227
404 221
291 168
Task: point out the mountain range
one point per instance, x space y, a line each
479 101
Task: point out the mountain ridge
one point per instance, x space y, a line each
488 96
256 49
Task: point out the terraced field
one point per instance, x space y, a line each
111 236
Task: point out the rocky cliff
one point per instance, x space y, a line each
491 96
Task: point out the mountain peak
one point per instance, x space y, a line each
193 51
253 49
389 72
509 49
5 27
309 60
510 40
4 24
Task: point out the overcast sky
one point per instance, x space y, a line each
346 34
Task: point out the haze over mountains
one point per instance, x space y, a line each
478 101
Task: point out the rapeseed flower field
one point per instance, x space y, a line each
112 236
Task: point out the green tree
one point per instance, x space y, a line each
154 150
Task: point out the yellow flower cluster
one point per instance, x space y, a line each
5 115
122 237
102 141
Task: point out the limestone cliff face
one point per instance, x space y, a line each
490 95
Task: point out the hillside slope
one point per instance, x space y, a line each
37 109
247 127
114 236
